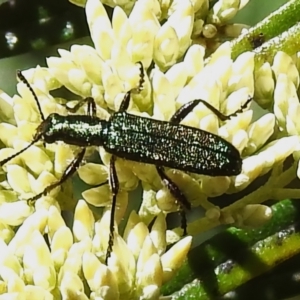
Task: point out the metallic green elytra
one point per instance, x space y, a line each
162 143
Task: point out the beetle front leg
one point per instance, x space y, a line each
69 171
91 106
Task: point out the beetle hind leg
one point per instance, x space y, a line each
184 110
177 194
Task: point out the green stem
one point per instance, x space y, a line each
287 42
249 263
268 248
275 24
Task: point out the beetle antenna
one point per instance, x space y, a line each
25 81
4 161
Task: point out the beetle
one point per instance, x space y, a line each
161 143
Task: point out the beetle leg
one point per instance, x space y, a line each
125 102
69 171
184 110
91 106
177 194
114 184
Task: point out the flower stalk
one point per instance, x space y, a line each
274 188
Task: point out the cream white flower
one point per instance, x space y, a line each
259 132
264 85
7 113
224 10
253 215
284 64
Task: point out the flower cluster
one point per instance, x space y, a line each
176 72
210 24
137 268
